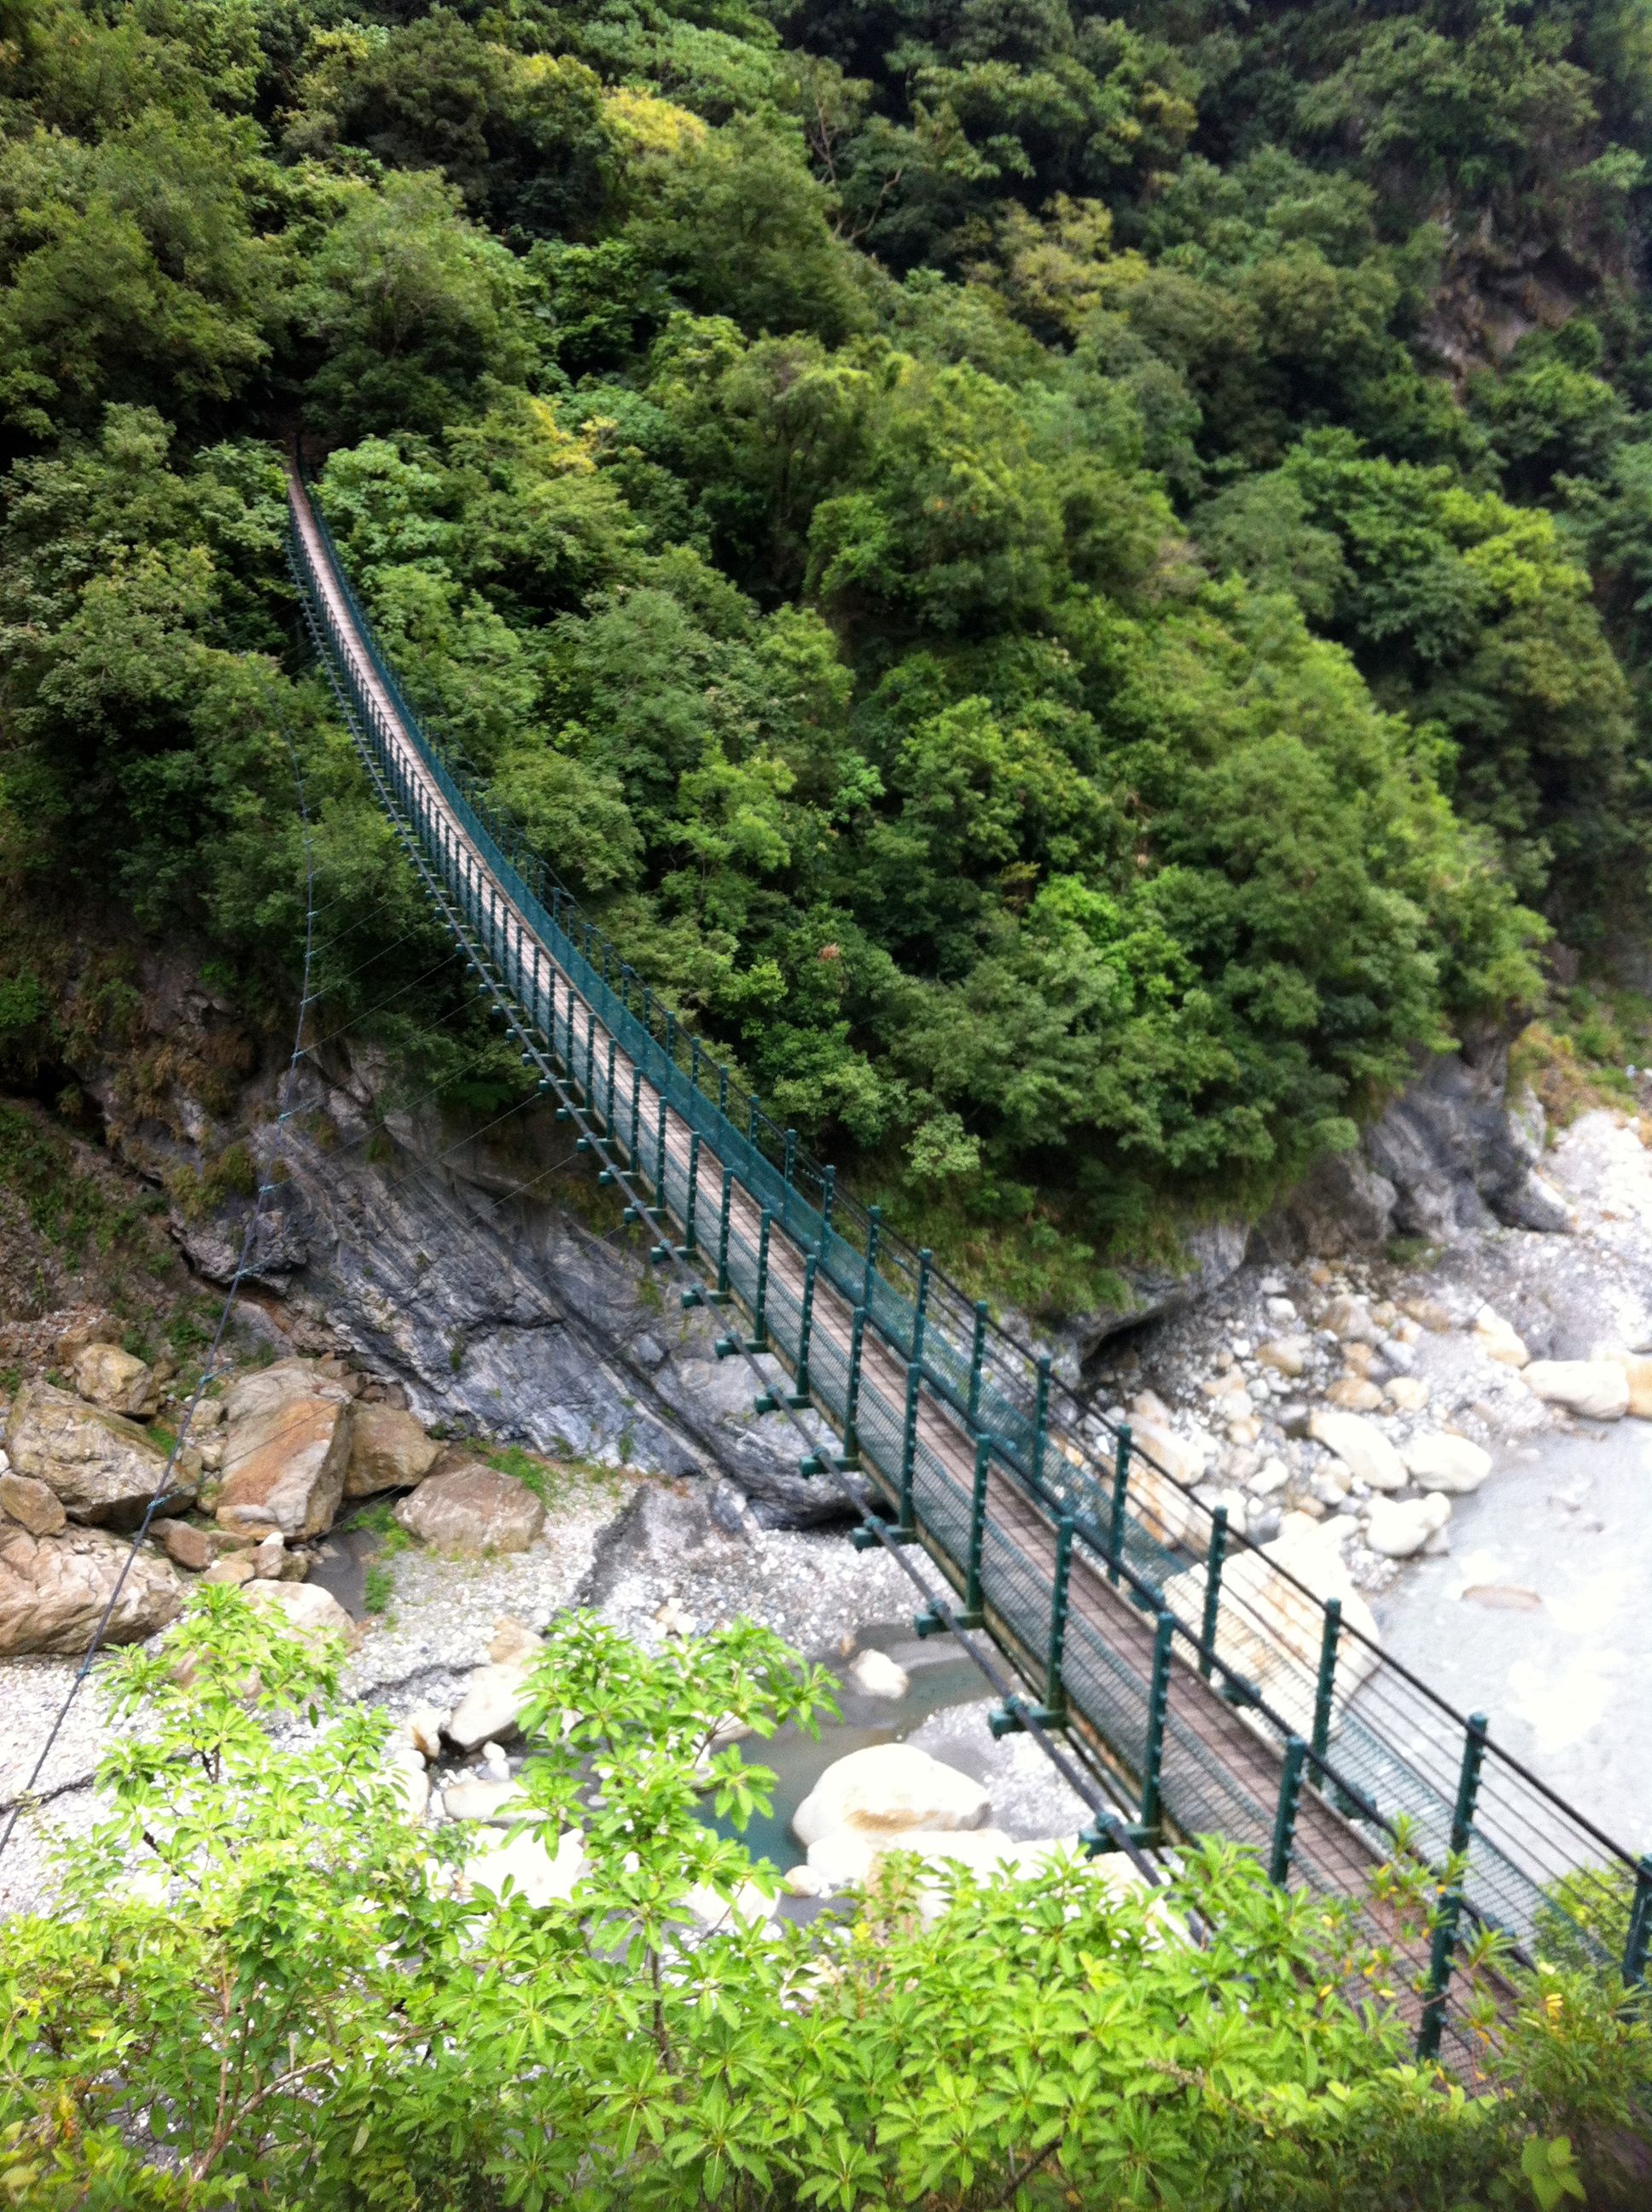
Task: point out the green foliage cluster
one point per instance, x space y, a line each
1072 587
266 1987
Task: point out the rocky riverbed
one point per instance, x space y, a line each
1374 1403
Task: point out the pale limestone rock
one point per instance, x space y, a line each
1354 1394
313 1611
1409 1393
1444 1461
1269 1631
473 1513
537 1865
287 1444
31 1503
804 1881
481 1799
196 1548
1349 1320
53 1590
672 1618
235 1568
269 1556
888 1788
406 1771
513 1639
1399 1527
877 1676
1498 1339
1597 1388
97 1464
423 1729
115 1380
493 1698
388 1451
1429 1314
1638 1373
1285 1355
1360 1445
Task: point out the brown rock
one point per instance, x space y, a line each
287 1444
53 1590
1429 1314
98 1464
1354 1394
268 1556
38 1508
472 1511
388 1451
115 1380
235 1567
193 1548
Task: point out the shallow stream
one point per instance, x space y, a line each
1540 1617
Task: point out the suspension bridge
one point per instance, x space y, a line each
1192 1682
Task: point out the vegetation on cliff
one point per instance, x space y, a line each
1073 587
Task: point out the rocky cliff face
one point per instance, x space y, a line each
480 1271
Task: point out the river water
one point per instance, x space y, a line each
1540 1617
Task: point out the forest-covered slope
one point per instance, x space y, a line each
1072 586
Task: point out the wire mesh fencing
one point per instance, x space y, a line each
1226 1677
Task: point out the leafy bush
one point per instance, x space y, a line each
265 1986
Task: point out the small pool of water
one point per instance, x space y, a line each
941 1678
1540 1617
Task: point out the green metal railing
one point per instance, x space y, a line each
1376 1743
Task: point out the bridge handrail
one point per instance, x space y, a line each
999 1386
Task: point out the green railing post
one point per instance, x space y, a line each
753 1110
670 1038
660 1158
634 1147
827 1192
977 1355
972 1616
850 1455
909 1448
1324 1688
1041 1418
758 1341
590 1054
1158 1706
1054 1711
608 1091
1214 1559
1640 1923
920 1302
694 1061
791 1159
1442 1950
690 1239
724 1208
1115 1519
874 1230
1285 1812
722 1092
799 1397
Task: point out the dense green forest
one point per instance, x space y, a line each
1073 586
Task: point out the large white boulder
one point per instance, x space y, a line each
1400 1527
875 1674
1499 1340
890 1790
490 1707
53 1589
1597 1388
115 1380
1360 1445
1638 1373
472 1512
100 1466
1445 1460
314 1611
286 1447
389 1451
537 1865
